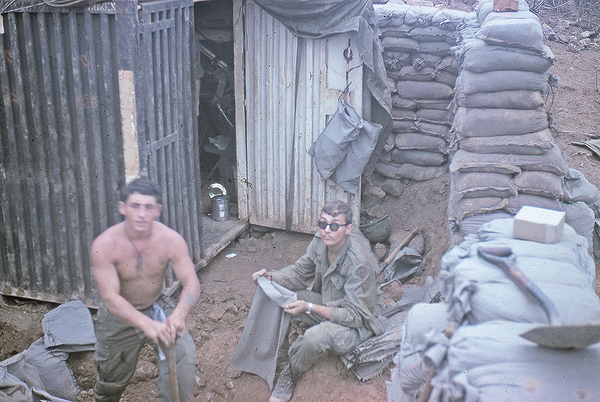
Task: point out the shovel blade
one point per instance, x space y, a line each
564 336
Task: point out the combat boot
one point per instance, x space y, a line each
284 388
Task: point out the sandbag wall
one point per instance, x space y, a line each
422 71
470 345
503 152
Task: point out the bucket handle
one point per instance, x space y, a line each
216 186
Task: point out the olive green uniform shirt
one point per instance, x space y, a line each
349 285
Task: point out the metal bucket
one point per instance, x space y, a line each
219 203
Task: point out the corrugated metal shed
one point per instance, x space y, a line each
90 96
287 87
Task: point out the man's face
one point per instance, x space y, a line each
334 238
140 211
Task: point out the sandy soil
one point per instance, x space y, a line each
217 321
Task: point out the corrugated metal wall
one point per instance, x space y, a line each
62 123
292 86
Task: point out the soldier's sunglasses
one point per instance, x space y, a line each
334 226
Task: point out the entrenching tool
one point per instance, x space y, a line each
390 259
172 364
556 335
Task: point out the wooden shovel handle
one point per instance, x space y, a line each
172 364
403 244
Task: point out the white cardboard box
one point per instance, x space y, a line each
538 224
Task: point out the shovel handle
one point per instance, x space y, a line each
400 246
503 257
172 364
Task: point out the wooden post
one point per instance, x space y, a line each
128 125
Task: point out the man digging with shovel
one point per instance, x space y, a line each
129 262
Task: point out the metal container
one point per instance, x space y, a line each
219 203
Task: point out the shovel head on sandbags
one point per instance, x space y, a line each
556 335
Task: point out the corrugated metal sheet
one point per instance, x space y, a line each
62 120
292 86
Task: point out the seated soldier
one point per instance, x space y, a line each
343 304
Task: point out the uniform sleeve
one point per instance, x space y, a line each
299 275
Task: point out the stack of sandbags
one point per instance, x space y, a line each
478 293
490 362
505 153
422 70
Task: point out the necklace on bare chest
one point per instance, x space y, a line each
138 262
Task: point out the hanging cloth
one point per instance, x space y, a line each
264 332
344 148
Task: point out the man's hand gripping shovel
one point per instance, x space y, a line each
159 315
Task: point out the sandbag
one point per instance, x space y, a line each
479 57
466 207
520 14
418 157
485 8
435 116
495 296
404 126
410 73
450 64
420 141
426 60
413 366
581 218
391 83
526 144
445 77
561 270
439 130
504 80
403 114
397 31
551 161
410 171
438 48
441 104
432 34
472 224
577 254
516 99
465 162
402 103
395 60
449 19
399 44
540 183
419 15
390 14
578 188
524 33
517 202
482 184
424 90
490 362
479 122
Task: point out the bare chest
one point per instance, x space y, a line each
141 260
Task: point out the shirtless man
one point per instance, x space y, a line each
129 262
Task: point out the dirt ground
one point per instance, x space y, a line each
217 321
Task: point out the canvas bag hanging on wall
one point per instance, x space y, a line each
343 149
